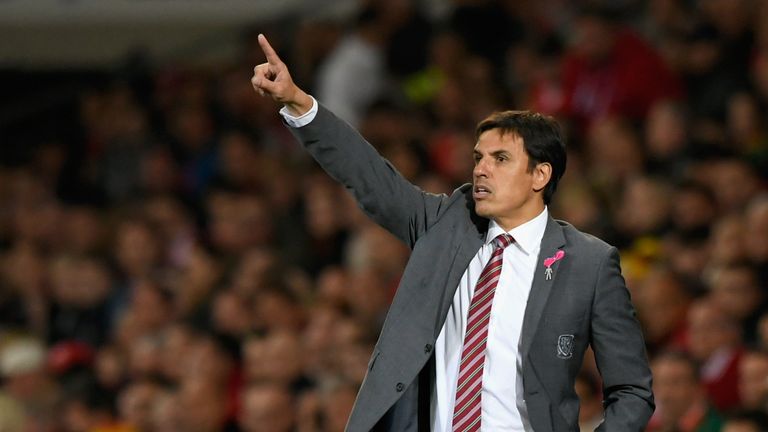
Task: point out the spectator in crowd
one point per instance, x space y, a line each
662 305
360 53
667 138
28 383
753 380
79 309
267 408
203 406
730 171
611 70
734 288
276 359
746 421
714 340
682 400
727 240
136 403
693 209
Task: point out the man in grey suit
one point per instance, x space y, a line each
499 301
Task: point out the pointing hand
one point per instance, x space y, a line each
273 79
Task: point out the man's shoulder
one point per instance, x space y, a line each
462 196
457 210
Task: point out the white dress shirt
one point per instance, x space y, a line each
503 407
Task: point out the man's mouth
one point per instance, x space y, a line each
481 191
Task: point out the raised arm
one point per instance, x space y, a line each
387 197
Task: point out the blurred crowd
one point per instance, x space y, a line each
171 260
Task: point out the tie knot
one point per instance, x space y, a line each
502 241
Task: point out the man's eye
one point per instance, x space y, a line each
501 159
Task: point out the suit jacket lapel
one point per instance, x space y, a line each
541 287
468 245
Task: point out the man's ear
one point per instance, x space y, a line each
541 175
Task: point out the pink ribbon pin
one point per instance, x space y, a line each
551 260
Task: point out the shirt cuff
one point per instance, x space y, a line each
302 120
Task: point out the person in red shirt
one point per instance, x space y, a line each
682 403
610 70
714 340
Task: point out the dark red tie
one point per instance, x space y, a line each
466 410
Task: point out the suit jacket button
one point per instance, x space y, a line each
427 348
399 387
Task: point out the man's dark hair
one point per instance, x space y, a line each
542 140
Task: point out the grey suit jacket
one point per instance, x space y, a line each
585 302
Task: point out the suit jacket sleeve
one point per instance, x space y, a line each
380 190
620 352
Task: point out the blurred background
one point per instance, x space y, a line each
171 260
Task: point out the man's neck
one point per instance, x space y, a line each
511 222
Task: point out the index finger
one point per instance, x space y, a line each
269 52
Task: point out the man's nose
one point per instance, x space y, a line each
480 169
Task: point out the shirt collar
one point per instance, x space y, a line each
527 236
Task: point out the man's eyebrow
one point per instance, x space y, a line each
494 153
